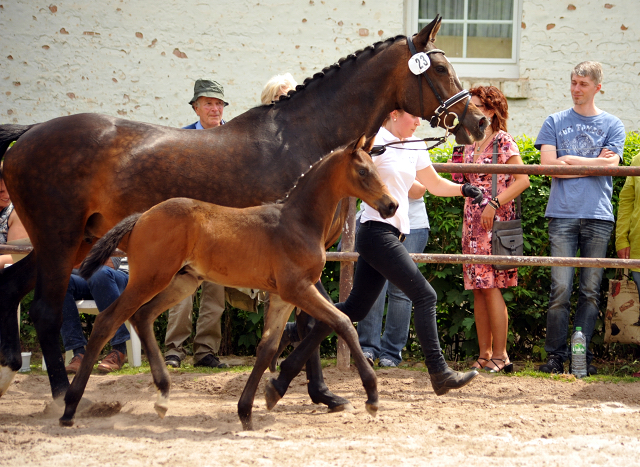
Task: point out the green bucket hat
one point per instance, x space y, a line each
206 88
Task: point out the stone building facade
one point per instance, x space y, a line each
139 60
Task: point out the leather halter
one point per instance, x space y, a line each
444 107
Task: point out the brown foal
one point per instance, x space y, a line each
280 248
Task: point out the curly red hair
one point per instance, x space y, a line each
493 100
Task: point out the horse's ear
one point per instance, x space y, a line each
368 145
359 144
428 33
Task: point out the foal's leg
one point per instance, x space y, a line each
181 286
275 319
311 300
307 352
15 283
106 324
318 390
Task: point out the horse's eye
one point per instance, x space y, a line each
441 69
362 172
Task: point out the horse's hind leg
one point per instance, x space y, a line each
311 300
15 283
309 352
291 366
181 286
275 319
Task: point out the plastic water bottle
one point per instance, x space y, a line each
579 354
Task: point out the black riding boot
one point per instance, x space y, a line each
448 379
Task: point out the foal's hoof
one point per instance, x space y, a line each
347 407
66 421
372 408
271 396
161 406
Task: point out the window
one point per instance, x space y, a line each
480 37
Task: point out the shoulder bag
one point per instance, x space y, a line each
507 236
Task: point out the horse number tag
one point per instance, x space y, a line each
419 63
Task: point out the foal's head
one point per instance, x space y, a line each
363 181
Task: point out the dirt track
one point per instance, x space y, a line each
508 421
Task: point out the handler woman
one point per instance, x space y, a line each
382 255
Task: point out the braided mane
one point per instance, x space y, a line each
373 48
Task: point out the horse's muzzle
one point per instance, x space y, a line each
387 206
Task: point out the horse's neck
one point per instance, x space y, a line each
314 199
337 108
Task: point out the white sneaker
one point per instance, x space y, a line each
387 362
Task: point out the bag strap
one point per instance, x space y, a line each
494 179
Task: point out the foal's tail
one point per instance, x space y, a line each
105 246
10 133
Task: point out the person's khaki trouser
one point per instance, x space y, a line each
208 329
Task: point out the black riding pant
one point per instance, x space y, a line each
382 256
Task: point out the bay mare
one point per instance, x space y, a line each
279 248
73 178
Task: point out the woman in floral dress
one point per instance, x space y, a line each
490 310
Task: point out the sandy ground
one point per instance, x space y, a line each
503 421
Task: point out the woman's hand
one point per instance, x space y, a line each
470 191
486 219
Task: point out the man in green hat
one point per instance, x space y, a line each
208 103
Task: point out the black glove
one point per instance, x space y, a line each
474 192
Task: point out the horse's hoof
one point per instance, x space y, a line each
342 408
271 395
161 406
372 408
247 425
66 421
6 377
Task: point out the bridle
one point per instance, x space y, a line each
439 115
442 112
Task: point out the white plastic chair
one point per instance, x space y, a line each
134 347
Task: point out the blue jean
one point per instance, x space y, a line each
567 236
636 279
396 329
104 287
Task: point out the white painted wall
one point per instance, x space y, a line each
123 57
555 39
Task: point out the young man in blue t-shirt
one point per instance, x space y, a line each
579 210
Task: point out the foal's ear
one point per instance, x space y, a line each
368 145
359 144
428 33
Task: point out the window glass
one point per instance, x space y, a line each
489 41
490 9
473 29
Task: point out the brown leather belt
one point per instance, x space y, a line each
387 227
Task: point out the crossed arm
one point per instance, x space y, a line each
549 156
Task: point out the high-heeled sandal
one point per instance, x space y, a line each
506 367
481 366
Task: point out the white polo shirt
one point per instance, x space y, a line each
397 167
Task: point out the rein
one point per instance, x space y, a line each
443 109
379 150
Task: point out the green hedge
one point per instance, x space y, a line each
527 303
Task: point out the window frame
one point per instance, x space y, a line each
508 68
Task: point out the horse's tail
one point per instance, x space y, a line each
10 133
105 246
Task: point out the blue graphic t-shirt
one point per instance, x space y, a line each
576 135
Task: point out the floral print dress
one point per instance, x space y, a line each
476 240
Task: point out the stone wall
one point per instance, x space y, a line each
139 60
